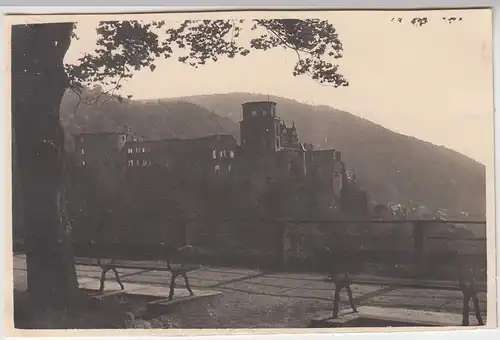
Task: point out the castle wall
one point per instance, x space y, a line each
325 168
209 156
325 172
257 170
102 155
214 175
99 150
260 128
260 134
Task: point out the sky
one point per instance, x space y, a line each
432 82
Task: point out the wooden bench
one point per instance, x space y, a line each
339 265
468 287
111 257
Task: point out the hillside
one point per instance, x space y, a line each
153 120
391 166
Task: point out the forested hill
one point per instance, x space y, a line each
154 120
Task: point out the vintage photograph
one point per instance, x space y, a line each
252 169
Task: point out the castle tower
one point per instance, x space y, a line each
260 128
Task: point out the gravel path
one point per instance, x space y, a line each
243 310
253 299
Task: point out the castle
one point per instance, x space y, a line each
268 153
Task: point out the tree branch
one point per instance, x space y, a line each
299 58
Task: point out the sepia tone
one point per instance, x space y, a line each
188 171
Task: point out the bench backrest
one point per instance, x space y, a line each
339 261
126 251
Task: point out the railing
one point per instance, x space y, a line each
379 247
398 247
409 247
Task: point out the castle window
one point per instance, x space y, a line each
83 152
130 163
217 169
224 153
144 162
81 139
231 154
254 113
83 163
130 150
124 138
143 150
138 150
221 154
229 168
214 154
264 112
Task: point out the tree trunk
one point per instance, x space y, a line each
38 84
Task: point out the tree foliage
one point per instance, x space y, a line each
421 21
124 47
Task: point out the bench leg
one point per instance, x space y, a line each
103 278
187 284
336 301
465 310
475 300
172 286
117 276
351 300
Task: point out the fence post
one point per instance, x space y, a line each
419 242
